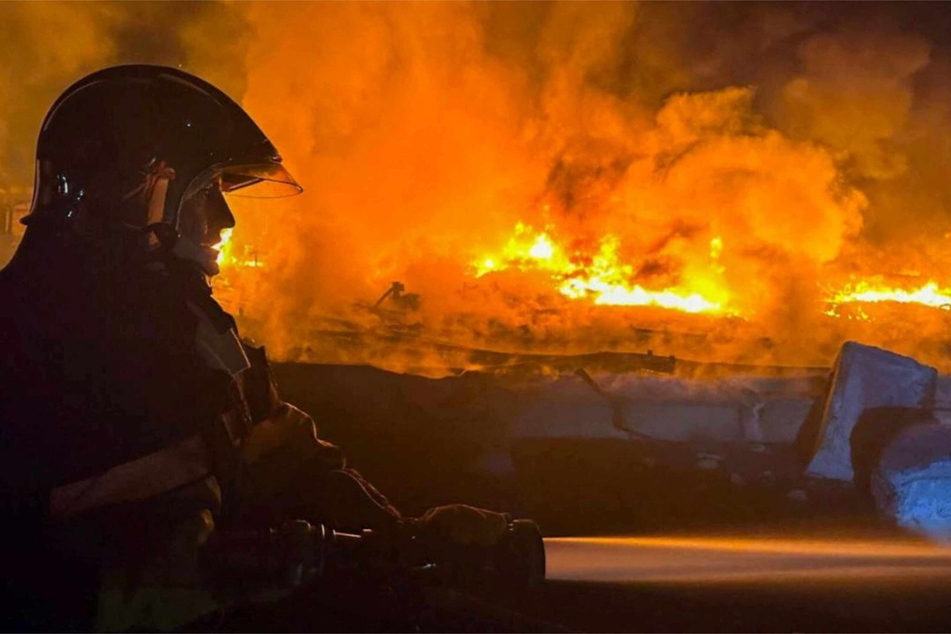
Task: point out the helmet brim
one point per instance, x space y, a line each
264 180
267 179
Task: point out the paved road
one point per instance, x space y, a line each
664 584
737 583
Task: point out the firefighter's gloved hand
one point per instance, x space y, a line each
463 525
290 431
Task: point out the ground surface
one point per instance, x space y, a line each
833 566
746 584
676 583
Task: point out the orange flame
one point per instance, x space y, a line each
227 256
224 247
927 295
604 279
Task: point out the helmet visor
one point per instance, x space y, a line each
267 179
263 180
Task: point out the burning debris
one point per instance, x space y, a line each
398 296
602 277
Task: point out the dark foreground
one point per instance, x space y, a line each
423 441
747 584
882 606
665 584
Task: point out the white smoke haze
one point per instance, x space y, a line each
758 154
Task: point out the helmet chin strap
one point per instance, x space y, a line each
205 257
182 247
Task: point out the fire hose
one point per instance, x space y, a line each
298 551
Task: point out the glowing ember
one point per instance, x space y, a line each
854 313
601 278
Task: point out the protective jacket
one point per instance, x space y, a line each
130 409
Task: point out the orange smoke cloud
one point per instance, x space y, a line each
752 162
422 149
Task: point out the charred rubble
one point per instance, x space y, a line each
605 443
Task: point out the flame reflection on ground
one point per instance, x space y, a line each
737 559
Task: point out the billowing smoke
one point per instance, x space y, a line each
46 46
426 132
755 154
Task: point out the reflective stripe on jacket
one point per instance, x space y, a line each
139 479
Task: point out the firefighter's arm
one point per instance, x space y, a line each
291 432
258 387
340 495
276 426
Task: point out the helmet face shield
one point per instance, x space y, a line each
257 180
268 180
203 213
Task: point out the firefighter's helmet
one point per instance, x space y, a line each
124 148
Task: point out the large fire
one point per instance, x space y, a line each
603 278
599 276
728 181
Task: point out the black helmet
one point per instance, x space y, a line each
112 135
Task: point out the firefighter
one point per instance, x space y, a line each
135 421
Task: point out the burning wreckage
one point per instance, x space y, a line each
622 441
616 440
